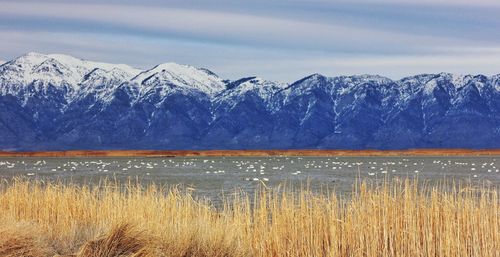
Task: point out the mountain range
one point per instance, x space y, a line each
58 102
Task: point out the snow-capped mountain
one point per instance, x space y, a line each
59 102
35 73
166 77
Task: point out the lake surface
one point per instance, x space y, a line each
209 176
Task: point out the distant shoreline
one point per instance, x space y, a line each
250 153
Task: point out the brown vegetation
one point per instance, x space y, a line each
305 152
396 218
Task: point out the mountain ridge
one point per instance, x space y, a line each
58 102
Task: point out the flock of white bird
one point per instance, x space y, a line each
251 169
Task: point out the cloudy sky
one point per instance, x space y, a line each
275 39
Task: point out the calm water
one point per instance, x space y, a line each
210 176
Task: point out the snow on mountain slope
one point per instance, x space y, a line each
170 76
263 89
35 72
495 80
77 78
60 102
85 66
56 68
102 83
22 71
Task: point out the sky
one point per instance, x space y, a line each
281 40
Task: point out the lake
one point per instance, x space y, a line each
209 176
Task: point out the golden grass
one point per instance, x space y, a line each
239 153
396 218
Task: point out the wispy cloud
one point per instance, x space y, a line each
436 2
275 39
225 27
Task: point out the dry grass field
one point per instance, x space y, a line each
239 153
395 218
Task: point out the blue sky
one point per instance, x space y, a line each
278 40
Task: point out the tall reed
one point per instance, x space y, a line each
394 218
